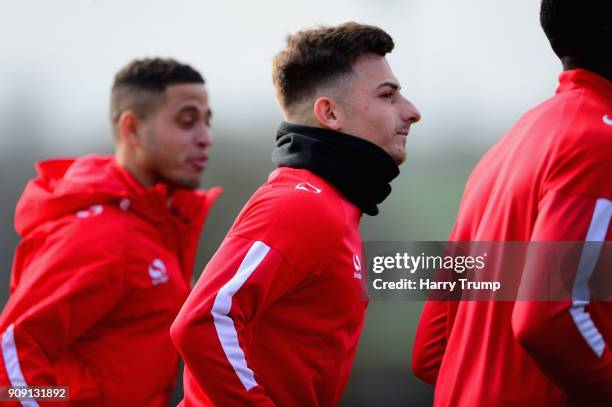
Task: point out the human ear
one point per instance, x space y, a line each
128 128
326 113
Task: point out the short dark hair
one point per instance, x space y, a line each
141 84
318 56
577 28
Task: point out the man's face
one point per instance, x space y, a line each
374 109
176 137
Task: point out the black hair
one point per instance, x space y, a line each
156 74
578 28
140 85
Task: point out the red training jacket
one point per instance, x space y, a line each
101 272
276 315
548 179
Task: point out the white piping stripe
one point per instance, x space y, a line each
11 363
588 260
225 324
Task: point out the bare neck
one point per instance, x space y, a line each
601 69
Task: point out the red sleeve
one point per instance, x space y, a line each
242 279
61 293
564 337
430 341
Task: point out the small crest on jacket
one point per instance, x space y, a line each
158 272
357 264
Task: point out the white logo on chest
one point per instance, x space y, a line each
357 264
158 272
607 120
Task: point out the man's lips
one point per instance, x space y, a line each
198 163
402 132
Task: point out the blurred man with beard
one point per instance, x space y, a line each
108 246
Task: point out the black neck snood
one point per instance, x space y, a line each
359 169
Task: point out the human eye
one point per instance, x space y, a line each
186 119
388 95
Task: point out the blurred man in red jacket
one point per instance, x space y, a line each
277 314
108 246
547 179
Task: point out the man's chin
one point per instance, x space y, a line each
399 157
183 182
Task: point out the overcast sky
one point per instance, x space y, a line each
471 66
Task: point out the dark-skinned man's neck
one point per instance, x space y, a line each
601 69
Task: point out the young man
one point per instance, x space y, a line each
548 179
276 316
108 248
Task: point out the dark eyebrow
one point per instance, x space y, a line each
188 108
194 109
392 85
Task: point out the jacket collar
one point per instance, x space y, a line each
67 185
583 79
359 169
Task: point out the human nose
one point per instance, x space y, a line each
410 113
203 137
